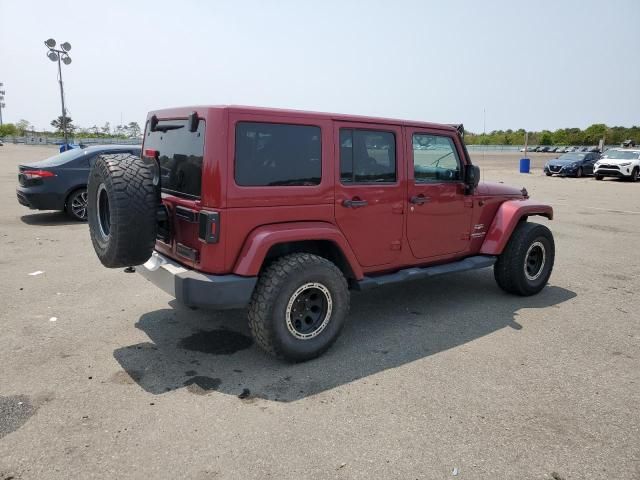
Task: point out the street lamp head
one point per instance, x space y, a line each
53 56
66 59
66 46
50 43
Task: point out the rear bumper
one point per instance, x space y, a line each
39 200
196 289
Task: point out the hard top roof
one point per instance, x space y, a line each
203 109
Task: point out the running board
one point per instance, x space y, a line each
417 273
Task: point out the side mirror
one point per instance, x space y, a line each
472 177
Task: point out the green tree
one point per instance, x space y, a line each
134 129
57 124
23 126
106 129
8 129
546 138
595 132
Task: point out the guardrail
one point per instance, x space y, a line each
35 140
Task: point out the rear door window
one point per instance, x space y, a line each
275 154
367 156
180 155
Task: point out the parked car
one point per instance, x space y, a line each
619 162
60 182
574 164
288 211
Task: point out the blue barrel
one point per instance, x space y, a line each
525 164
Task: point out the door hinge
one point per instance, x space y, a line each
396 245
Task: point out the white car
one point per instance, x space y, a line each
618 162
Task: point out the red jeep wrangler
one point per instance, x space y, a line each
286 211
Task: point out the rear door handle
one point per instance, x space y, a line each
354 203
419 199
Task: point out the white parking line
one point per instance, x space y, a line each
614 211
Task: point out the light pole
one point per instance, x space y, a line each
2 104
56 55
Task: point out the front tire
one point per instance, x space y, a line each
579 173
299 307
598 177
525 265
634 175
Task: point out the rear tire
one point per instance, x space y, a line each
122 208
76 206
525 265
299 307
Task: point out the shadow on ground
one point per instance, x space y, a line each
48 219
387 328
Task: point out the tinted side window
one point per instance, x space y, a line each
269 154
435 159
367 156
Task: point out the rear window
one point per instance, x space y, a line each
180 156
270 154
62 158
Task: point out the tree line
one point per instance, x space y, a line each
24 128
563 136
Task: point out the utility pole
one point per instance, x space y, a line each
56 55
2 104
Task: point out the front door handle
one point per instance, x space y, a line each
419 199
355 203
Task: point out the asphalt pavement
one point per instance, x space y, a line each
102 375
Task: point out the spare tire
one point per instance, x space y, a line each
123 199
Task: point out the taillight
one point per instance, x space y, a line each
209 231
150 153
35 174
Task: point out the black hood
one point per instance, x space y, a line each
562 161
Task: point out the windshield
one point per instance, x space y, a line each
621 154
572 156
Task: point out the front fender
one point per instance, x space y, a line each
505 221
261 239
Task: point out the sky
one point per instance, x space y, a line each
506 64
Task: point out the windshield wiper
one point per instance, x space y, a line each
437 162
164 128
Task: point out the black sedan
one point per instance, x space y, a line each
573 164
60 182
